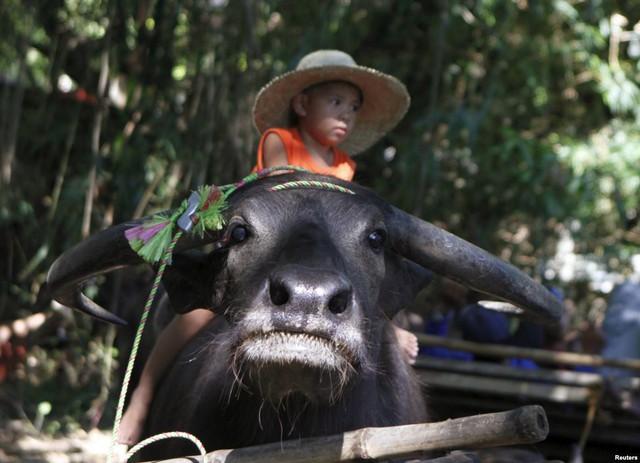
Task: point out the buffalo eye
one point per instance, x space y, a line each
377 239
239 234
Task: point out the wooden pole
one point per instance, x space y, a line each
539 355
524 425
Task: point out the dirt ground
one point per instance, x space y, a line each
20 445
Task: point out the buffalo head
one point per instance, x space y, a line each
307 279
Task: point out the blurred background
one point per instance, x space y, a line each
522 137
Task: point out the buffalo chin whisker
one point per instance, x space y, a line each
279 365
283 348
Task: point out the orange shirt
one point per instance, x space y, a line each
297 155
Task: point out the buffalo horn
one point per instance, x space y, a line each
453 257
103 252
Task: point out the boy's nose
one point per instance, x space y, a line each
347 115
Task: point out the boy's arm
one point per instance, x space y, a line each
171 341
274 153
166 348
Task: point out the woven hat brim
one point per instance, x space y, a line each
386 101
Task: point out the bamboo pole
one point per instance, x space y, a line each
496 370
507 387
540 355
524 425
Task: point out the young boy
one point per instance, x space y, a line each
310 117
327 107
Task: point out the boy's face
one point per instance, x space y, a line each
328 111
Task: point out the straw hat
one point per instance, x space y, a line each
386 99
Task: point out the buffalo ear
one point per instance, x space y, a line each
403 281
190 281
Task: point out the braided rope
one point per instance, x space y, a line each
165 435
132 359
311 184
228 189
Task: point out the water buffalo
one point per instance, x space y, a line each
306 279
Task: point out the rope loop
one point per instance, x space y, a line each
136 343
165 435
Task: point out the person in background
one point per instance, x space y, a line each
621 327
481 324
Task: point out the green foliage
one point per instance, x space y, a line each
524 122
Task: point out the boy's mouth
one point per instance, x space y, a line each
340 131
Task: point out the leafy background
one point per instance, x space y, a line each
522 137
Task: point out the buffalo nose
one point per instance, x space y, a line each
310 290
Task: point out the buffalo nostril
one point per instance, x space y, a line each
278 293
339 302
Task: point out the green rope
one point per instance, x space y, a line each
134 351
311 184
